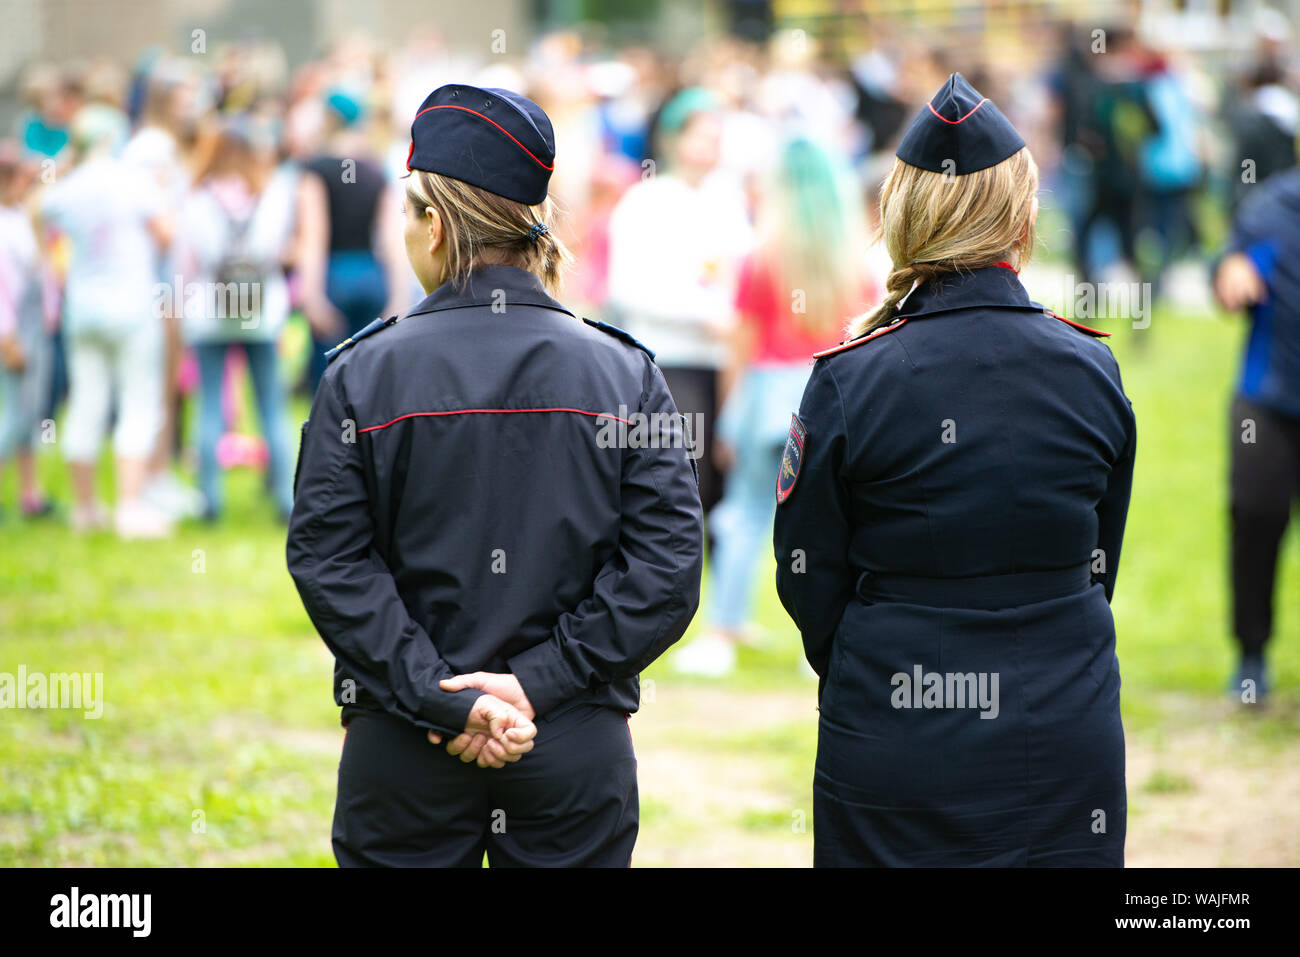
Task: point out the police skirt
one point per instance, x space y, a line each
969 736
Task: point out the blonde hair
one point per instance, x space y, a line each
811 235
933 224
483 228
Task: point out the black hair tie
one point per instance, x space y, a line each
536 230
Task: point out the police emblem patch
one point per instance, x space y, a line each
791 460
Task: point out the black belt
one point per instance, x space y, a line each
985 592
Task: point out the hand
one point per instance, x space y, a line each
325 321
495 735
724 456
11 355
1238 284
504 686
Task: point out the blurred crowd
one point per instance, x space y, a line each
176 230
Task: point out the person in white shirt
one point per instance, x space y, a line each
172 106
112 216
676 241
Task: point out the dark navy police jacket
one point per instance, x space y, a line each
457 509
980 436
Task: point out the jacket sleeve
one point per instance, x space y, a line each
647 593
811 532
347 588
1112 510
1255 230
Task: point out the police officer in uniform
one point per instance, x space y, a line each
496 527
952 502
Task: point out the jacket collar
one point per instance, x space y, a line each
490 286
996 286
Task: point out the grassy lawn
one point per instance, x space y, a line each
219 740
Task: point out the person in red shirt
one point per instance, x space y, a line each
807 276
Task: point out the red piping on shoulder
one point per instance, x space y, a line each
857 342
1078 325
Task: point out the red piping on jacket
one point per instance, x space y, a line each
1077 325
451 106
416 415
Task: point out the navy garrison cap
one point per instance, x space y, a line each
494 139
959 132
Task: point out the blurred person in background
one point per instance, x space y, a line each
239 231
114 219
795 292
351 266
25 348
1170 168
676 239
880 113
160 147
1264 121
1259 272
1120 123
1072 82
627 88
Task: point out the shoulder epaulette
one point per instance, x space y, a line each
368 330
1082 328
874 334
618 333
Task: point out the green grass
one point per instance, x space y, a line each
218 690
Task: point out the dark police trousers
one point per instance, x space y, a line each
570 802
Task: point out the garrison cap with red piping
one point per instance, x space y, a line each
958 132
490 138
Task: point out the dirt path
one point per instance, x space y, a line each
1206 787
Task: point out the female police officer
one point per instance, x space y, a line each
471 545
952 502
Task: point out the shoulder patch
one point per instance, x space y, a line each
1082 328
791 460
367 330
874 334
618 333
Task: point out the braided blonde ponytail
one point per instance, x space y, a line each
934 224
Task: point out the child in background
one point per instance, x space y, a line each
25 352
